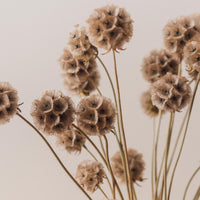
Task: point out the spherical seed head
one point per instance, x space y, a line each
110 27
171 93
80 45
53 113
79 76
90 174
71 140
158 63
178 32
96 115
192 55
136 165
8 102
147 105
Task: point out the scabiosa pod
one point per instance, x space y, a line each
72 140
136 165
53 112
192 58
171 93
90 174
96 115
147 104
158 63
79 76
80 45
178 32
8 102
110 27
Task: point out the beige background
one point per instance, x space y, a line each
32 36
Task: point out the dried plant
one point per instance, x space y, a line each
95 116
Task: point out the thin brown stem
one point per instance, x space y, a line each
167 152
122 129
103 192
54 153
197 194
190 181
184 136
109 165
153 157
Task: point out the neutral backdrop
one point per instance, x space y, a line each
32 37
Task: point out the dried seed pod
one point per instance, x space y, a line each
158 63
8 102
80 45
96 115
72 140
192 55
53 112
147 105
178 32
171 93
136 165
90 175
79 76
110 27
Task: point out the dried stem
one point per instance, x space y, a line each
102 192
168 141
190 181
58 159
122 129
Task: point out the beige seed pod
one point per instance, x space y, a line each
80 45
171 93
80 77
96 115
72 140
147 105
53 112
90 175
8 102
110 27
158 63
136 165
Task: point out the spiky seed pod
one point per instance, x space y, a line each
90 174
178 32
158 63
136 164
72 140
192 55
8 102
147 105
80 45
96 115
110 27
171 93
53 112
79 76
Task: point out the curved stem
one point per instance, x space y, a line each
100 154
114 93
197 194
185 133
58 159
153 157
102 192
167 152
189 182
122 128
109 165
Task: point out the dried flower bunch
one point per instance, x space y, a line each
85 126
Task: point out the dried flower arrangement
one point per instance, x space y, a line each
109 28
